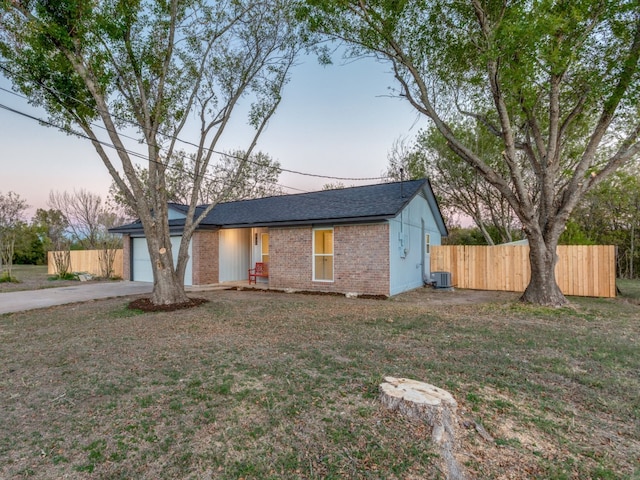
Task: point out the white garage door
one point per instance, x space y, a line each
141 263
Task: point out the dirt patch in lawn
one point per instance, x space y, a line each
429 296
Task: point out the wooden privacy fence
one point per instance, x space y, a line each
583 270
87 261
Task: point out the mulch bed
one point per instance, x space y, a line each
146 305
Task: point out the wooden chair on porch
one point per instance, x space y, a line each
261 270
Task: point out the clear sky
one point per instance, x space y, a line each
337 120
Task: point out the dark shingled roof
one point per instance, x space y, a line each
346 205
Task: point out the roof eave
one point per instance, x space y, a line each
177 229
433 202
306 222
137 228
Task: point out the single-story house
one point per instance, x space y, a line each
372 239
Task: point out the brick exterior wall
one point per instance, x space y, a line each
361 259
205 249
360 262
126 257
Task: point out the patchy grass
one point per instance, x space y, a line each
29 277
629 288
6 278
269 385
35 277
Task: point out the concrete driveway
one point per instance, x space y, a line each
48 297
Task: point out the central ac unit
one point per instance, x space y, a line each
441 279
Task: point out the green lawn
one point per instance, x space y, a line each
32 277
28 272
629 288
271 385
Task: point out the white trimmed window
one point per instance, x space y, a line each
323 255
427 244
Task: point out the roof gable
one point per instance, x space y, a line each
177 211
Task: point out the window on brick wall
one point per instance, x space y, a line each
323 254
264 239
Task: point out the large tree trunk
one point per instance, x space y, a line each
543 288
168 286
167 290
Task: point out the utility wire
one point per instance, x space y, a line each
130 152
178 139
73 132
168 165
70 131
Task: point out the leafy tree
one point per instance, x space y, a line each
574 234
29 248
459 188
333 186
162 68
12 209
232 178
237 179
556 83
52 226
465 236
406 161
610 215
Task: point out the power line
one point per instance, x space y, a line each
72 132
293 188
176 138
130 152
168 165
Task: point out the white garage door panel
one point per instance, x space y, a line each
141 262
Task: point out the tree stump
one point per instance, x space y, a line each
433 405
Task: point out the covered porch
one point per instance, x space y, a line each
231 285
239 250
